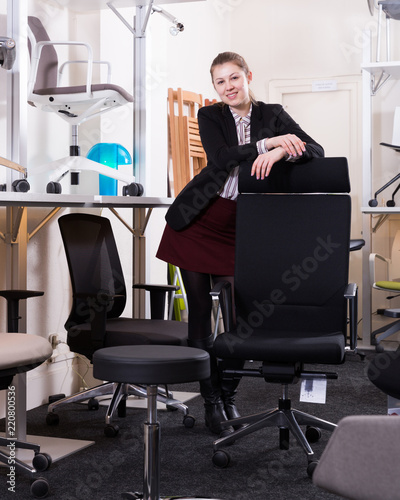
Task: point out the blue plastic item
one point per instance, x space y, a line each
112 155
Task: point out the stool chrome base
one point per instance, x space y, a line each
152 455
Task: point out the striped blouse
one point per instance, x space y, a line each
230 189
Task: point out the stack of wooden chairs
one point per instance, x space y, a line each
186 153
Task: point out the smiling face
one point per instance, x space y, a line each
232 86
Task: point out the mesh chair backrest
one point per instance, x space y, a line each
93 263
48 65
291 264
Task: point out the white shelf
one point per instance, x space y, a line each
389 67
380 210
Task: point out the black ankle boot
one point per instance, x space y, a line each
211 392
229 390
214 416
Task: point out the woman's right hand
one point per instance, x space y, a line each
263 163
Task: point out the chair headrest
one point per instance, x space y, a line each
319 175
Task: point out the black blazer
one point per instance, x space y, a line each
219 138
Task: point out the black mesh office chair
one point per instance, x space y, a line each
99 297
291 286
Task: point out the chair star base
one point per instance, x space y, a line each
284 417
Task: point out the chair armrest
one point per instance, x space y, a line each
351 295
372 259
106 63
36 52
223 291
13 297
98 304
157 297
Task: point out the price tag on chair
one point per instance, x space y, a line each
313 390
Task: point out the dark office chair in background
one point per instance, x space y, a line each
384 372
390 284
98 300
291 290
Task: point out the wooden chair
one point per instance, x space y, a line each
187 156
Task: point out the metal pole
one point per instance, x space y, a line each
151 479
139 91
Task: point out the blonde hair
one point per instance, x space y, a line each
232 57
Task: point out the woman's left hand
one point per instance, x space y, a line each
263 163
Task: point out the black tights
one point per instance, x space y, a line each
198 287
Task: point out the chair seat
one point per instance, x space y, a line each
387 285
391 9
81 89
20 350
20 353
261 345
149 365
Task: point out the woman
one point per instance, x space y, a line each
200 233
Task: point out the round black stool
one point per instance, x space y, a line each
151 365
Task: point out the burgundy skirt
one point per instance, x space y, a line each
207 245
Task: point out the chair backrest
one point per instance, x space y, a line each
292 258
48 65
93 263
185 149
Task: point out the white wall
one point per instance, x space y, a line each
282 40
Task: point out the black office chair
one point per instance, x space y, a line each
19 354
384 372
291 290
99 298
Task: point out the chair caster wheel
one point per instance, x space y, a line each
21 186
311 468
313 434
53 188
221 459
93 404
379 348
52 419
3 187
133 189
111 430
390 203
40 487
42 461
188 421
373 203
